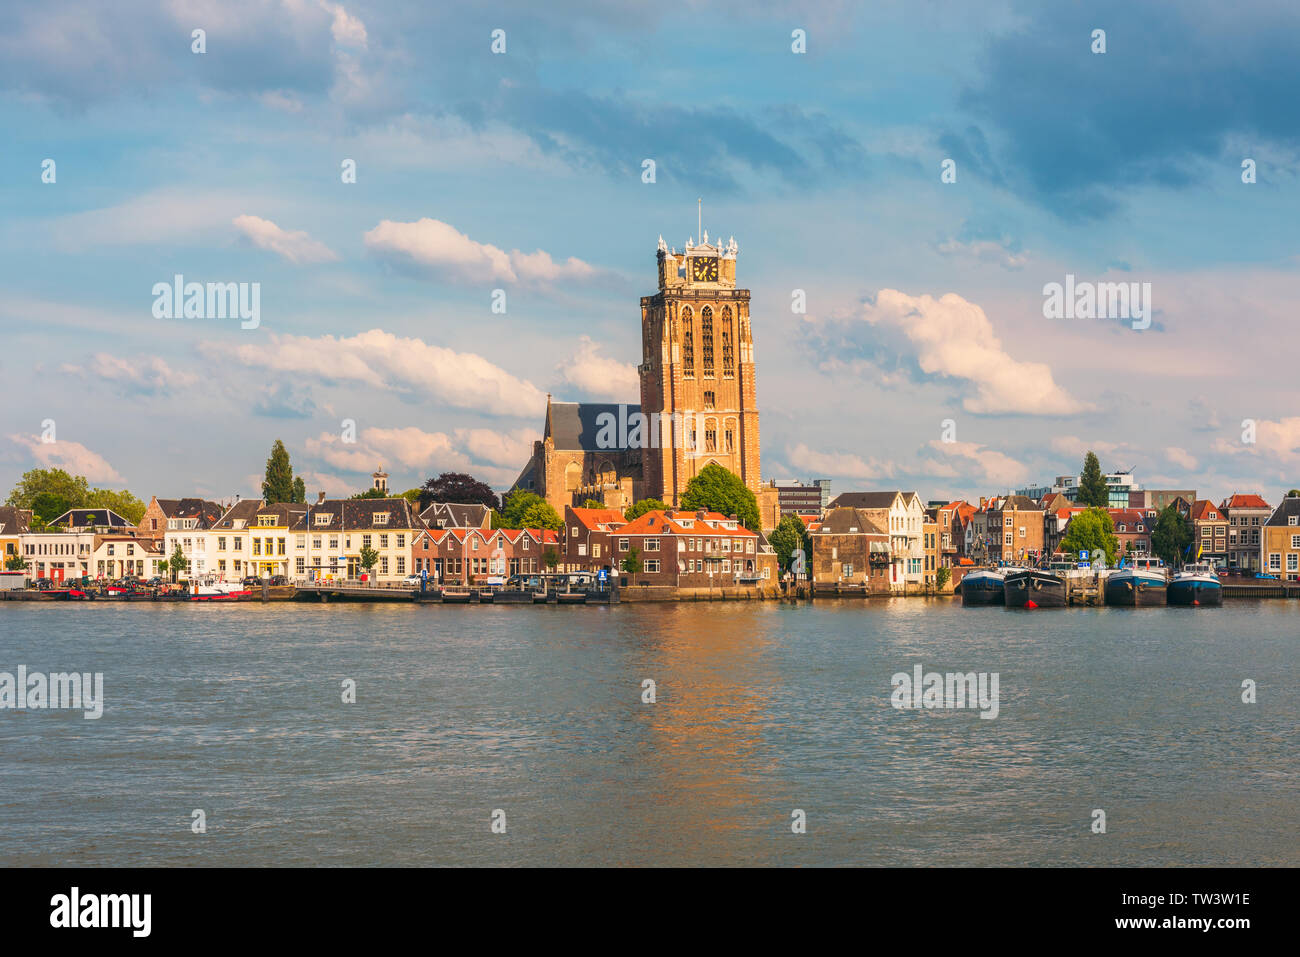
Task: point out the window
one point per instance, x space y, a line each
257 546
1292 519
366 540
323 518
1022 531
383 541
652 565
622 544
708 398
706 340
239 544
652 544
300 541
401 541
1275 561
401 564
688 343
381 518
728 356
1295 541
383 565
300 564
846 571
315 541
1008 539
279 545
221 543
266 520
1292 562
1007 523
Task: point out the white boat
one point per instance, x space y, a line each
215 589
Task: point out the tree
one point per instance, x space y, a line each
550 558
524 509
592 503
638 509
16 563
299 489
1092 484
177 562
278 486
790 533
1171 536
368 559
459 488
72 490
412 495
631 563
942 577
122 502
47 506
1091 531
1294 493
372 493
717 489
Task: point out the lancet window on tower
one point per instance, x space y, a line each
706 339
688 342
728 355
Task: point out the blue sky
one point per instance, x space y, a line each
522 171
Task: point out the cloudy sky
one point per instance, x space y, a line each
522 171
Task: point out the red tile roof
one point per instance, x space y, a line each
1245 501
657 522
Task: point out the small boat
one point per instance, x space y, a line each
1034 588
212 589
1196 585
1144 582
983 586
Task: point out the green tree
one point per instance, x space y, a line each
72 490
177 562
637 509
299 489
550 558
1294 493
717 489
1091 531
1171 536
1092 484
524 509
278 486
122 502
368 559
592 503
458 488
631 563
790 533
15 563
372 493
412 495
47 506
942 577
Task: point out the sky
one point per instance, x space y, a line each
924 359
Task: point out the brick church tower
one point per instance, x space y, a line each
697 370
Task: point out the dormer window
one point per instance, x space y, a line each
265 520
323 518
381 518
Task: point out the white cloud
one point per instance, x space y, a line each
72 457
347 30
439 248
600 376
1077 448
978 463
1278 441
995 252
297 247
411 451
1180 457
510 449
383 361
838 464
162 216
151 376
953 338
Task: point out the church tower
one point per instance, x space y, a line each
697 370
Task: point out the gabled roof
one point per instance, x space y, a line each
1286 508
1019 503
357 514
456 515
242 510
14 520
290 514
573 425
849 521
864 500
1204 510
596 519
206 512
1244 501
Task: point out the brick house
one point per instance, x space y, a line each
1133 529
1016 530
849 547
1209 533
1246 517
174 514
692 550
586 532
453 515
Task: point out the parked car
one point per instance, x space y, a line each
279 579
43 584
155 581
251 581
1271 578
411 580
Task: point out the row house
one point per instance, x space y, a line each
849 548
692 550
59 555
1016 530
1280 541
901 514
1209 533
952 519
339 529
930 548
585 545
117 556
178 514
14 523
91 519
464 556
1246 517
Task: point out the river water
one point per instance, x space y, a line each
761 709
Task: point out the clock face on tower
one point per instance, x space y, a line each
704 270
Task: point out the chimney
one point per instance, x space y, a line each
320 498
700 515
732 516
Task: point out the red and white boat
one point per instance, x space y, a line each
212 589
